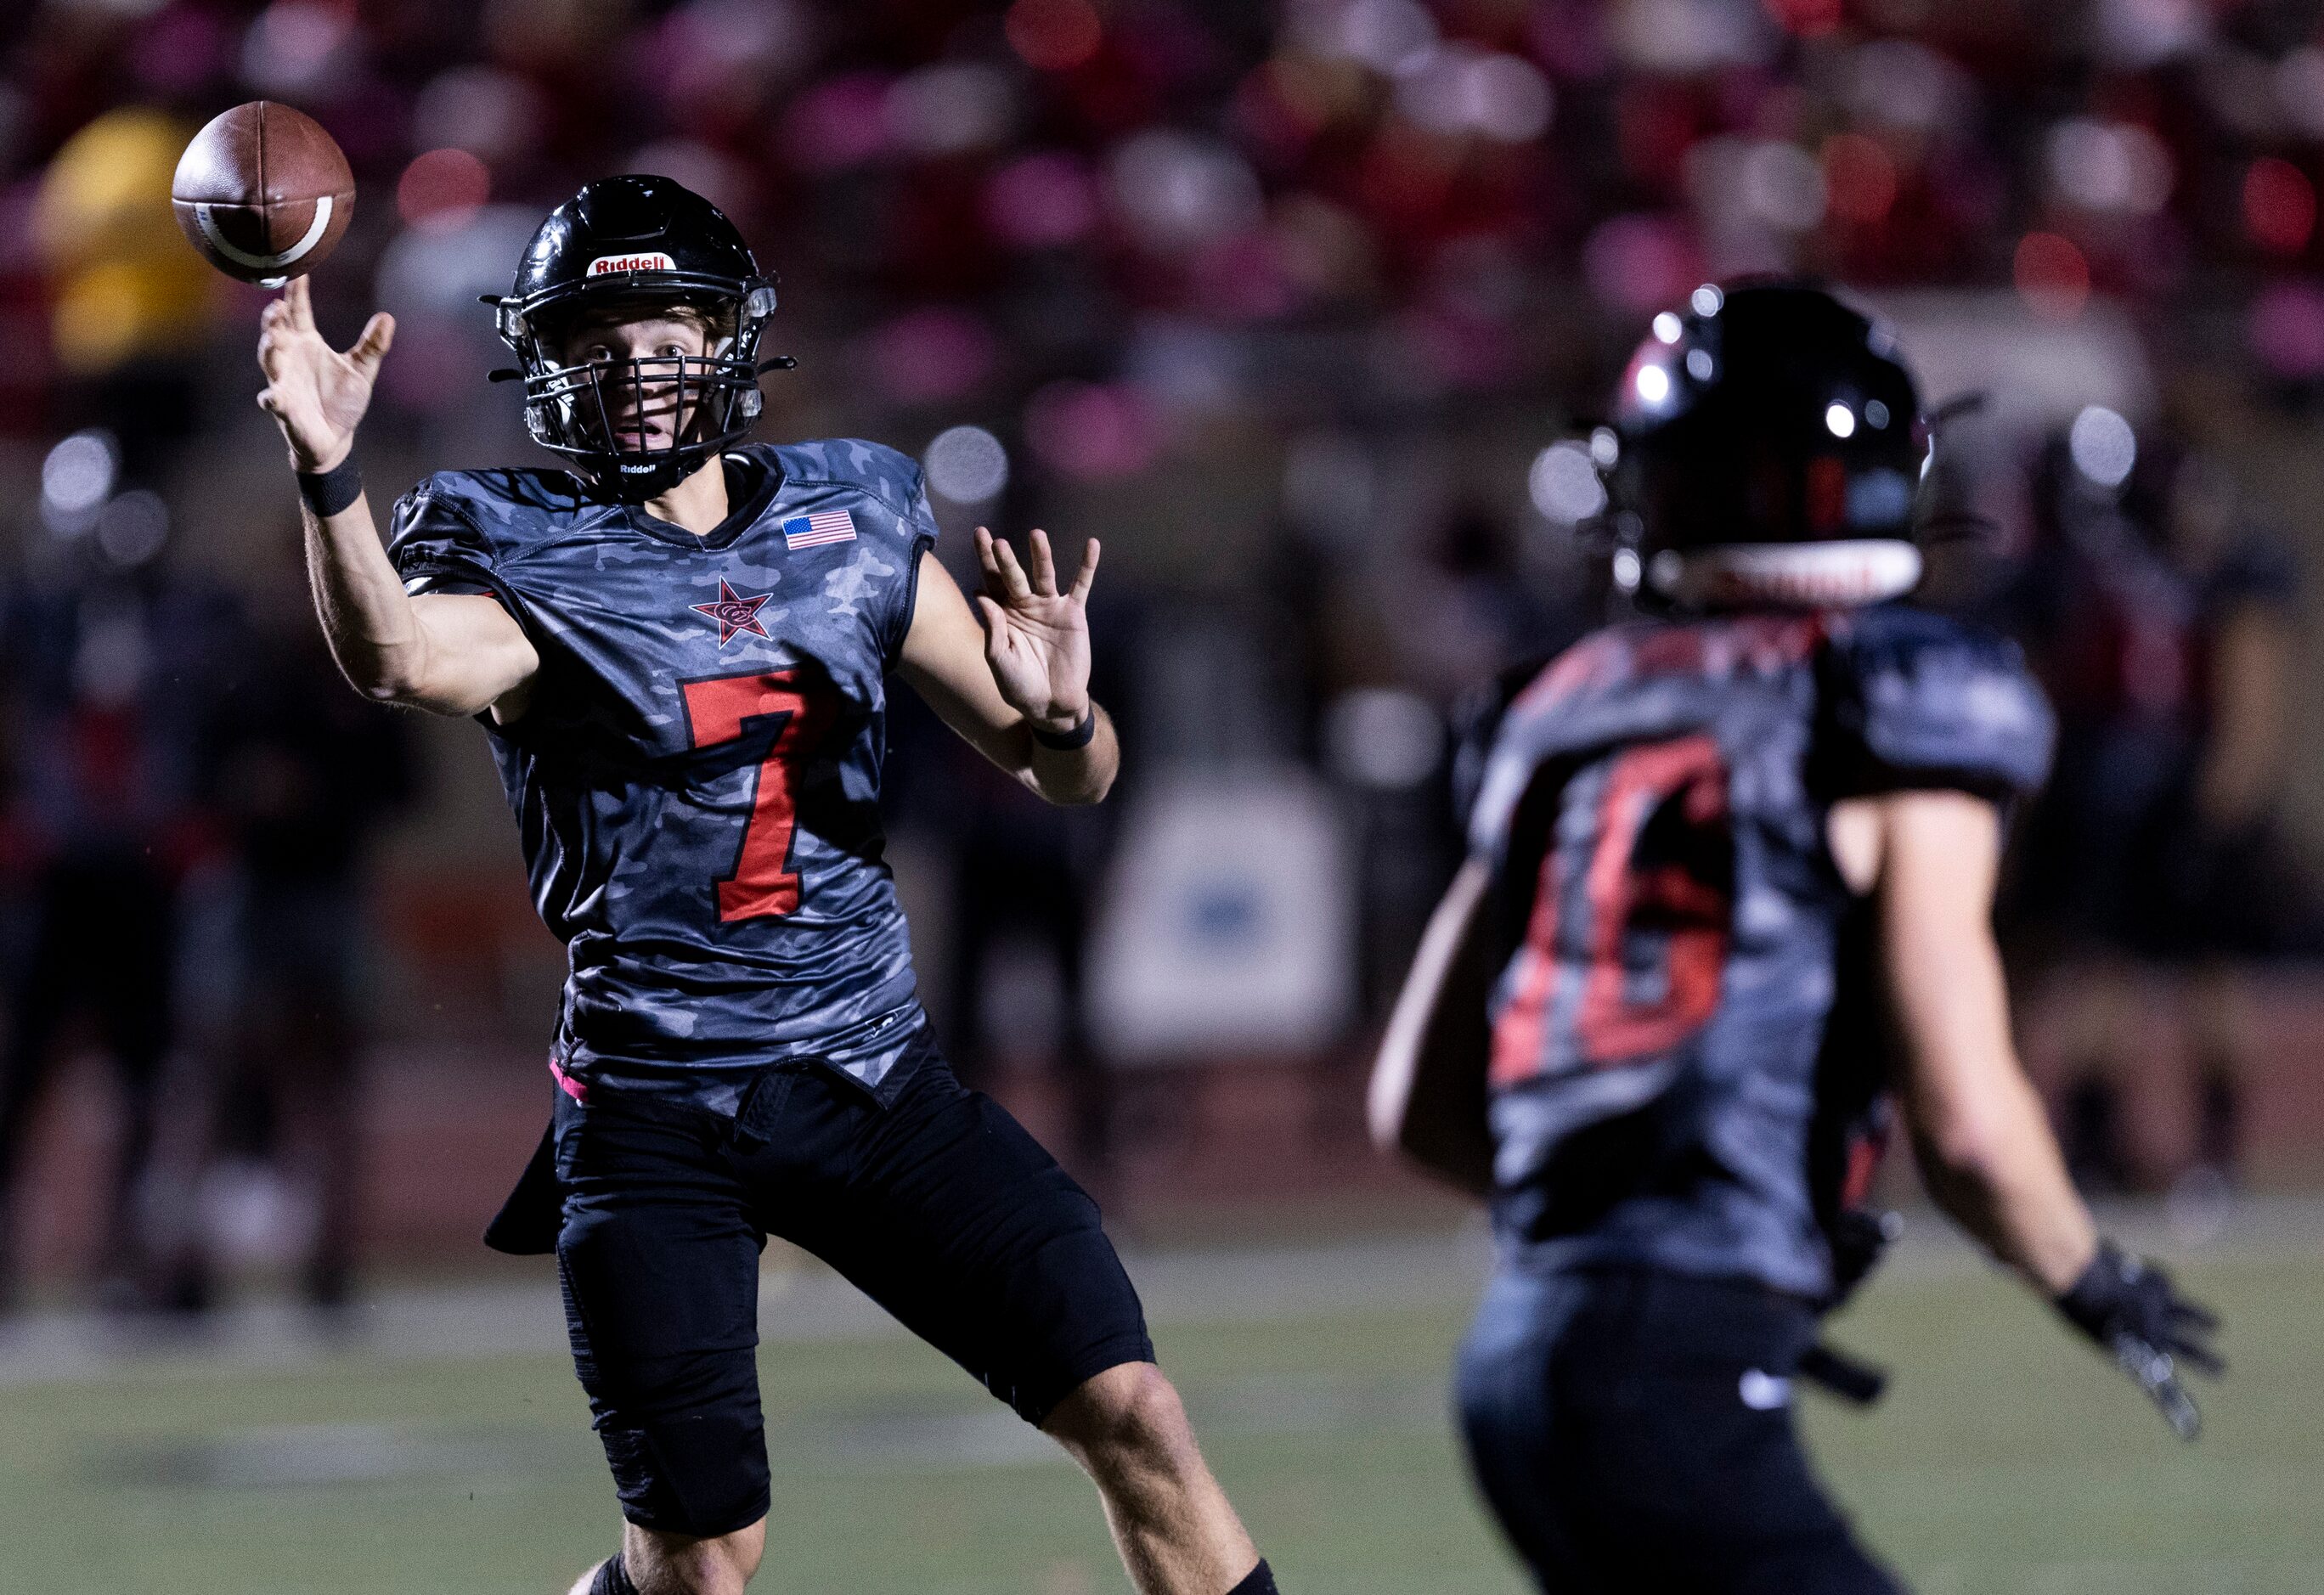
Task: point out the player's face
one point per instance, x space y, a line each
649 413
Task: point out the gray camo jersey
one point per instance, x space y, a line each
1687 1055
696 777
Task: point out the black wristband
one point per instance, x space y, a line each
327 492
1066 741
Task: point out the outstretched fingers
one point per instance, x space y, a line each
1044 565
1036 577
2194 1315
1087 574
1003 570
274 330
997 637
2200 1357
299 304
370 348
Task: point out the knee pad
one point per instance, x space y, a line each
703 1475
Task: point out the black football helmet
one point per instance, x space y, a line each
1769 450
649 243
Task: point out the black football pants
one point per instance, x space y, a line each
1632 1431
937 1205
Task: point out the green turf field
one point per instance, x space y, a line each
2006 1459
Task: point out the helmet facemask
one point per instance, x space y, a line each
639 425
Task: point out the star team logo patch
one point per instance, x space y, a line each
734 612
813 531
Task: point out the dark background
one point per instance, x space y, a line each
1304 309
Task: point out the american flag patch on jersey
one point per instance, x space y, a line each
812 531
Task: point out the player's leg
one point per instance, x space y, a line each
2222 1026
982 908
134 1001
1170 1520
301 1031
1088 1081
660 1266
1517 1453
654 1563
1668 1446
957 1222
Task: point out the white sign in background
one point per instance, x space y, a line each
1228 922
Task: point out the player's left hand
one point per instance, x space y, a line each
1037 638
2129 1306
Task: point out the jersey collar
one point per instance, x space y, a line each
762 479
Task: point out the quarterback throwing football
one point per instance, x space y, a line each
680 650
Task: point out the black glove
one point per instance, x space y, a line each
2128 1307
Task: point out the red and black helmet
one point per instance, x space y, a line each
1770 449
645 242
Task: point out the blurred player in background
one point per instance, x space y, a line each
112 664
1713 854
1015 876
680 654
2163 622
303 775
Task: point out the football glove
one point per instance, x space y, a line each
2128 1307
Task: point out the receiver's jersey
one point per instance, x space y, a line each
1686 1033
695 775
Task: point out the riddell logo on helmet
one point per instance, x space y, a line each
606 265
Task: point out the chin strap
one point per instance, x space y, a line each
635 483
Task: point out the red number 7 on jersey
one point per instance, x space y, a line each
762 884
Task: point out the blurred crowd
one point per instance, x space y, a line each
190 793
1306 307
1100 225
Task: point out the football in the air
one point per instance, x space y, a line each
264 193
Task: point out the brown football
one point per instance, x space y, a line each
264 193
